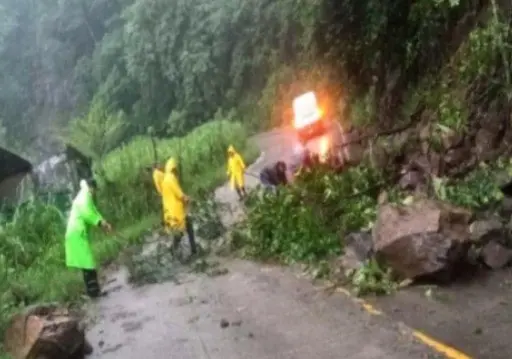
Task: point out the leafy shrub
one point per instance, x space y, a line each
280 227
34 227
206 217
478 190
372 278
306 221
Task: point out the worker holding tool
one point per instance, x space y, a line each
174 203
78 250
273 176
236 168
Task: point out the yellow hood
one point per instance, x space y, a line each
170 165
231 149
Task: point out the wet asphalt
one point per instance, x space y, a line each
473 316
253 311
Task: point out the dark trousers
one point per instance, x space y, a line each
190 234
92 285
266 183
241 192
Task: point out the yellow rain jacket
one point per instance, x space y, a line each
158 177
236 168
173 199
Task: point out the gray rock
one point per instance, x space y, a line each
426 238
495 255
46 332
224 323
411 180
357 248
506 207
482 231
361 243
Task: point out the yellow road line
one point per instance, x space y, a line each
449 352
371 309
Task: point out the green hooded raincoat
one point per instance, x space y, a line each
83 216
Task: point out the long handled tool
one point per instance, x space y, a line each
251 175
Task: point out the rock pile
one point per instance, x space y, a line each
430 239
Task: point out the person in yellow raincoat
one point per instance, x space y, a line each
236 168
82 217
174 203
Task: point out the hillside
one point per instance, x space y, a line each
373 63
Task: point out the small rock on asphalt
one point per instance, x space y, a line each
224 323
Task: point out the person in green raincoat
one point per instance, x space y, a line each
82 217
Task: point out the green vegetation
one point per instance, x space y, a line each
478 190
371 278
306 222
168 67
201 156
32 244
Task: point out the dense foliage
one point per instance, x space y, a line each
173 66
170 66
479 190
306 221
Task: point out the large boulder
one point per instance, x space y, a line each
46 332
424 239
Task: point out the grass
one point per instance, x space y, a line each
201 156
32 263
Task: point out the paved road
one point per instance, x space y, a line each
274 314
474 316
